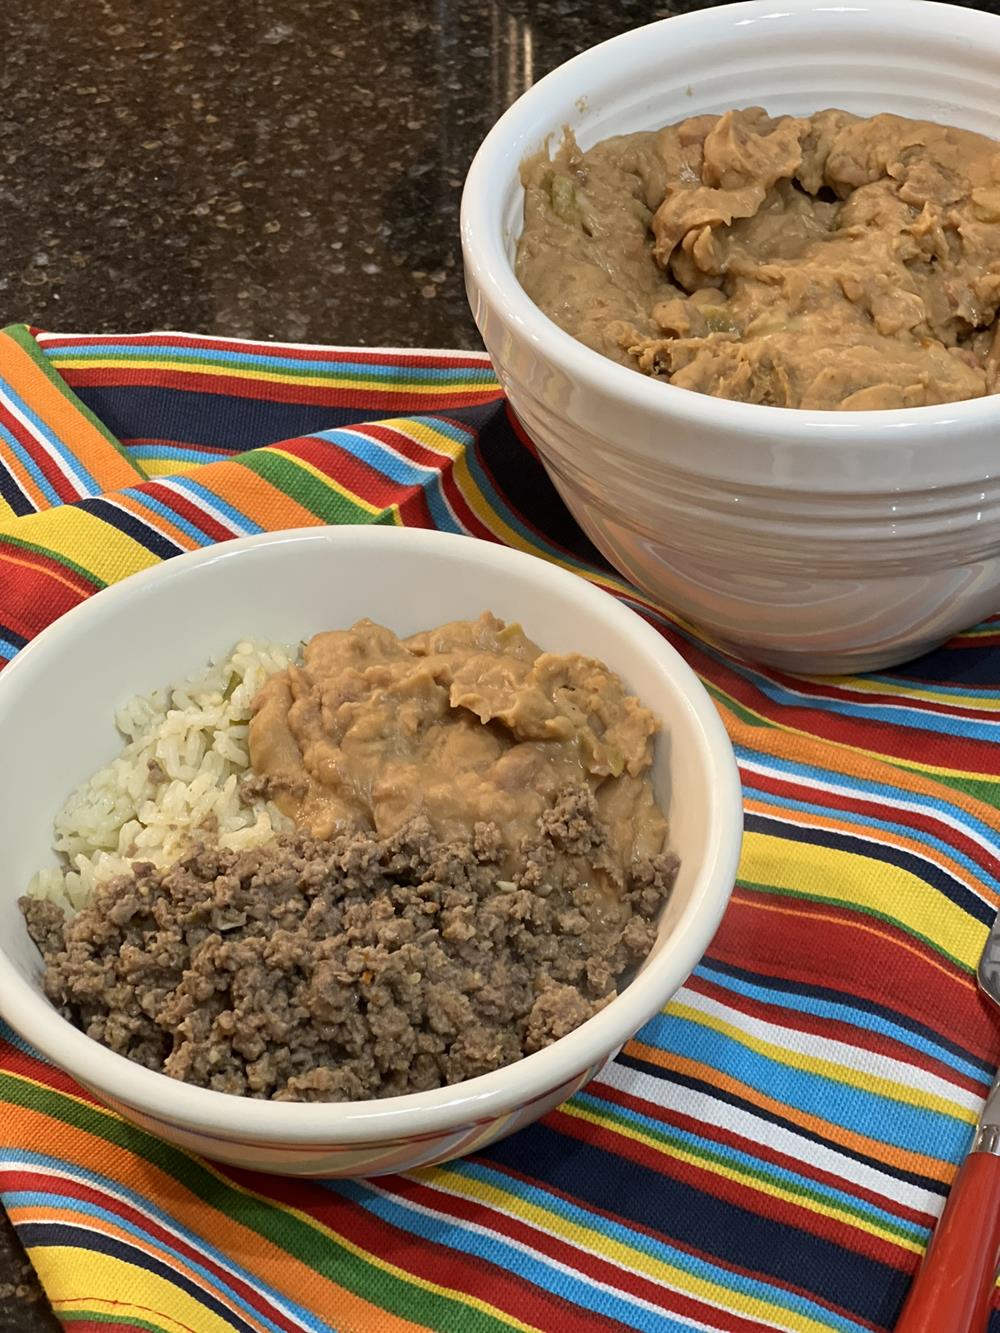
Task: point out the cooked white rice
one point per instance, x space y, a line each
185 751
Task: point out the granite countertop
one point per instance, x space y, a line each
286 170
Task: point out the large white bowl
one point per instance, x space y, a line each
818 541
57 704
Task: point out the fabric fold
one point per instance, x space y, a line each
768 1153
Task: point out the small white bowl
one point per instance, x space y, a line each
57 703
818 541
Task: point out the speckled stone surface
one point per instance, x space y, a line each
286 170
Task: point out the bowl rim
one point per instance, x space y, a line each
489 269
236 1119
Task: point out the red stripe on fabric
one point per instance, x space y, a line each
927 748
18 1062
444 465
64 487
392 401
821 944
423 455
873 808
737 1195
526 522
432 1261
413 510
13 1179
43 563
589 1264
187 509
447 360
37 601
441 463
717 1134
631 1224
514 421
814 690
840 1030
357 474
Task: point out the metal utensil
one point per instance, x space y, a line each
953 1289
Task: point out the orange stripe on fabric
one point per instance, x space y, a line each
783 742
254 497
276 1267
155 520
874 1149
107 466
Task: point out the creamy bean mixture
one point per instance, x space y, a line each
826 261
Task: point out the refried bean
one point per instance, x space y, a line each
823 261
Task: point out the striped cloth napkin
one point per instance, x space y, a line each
770 1152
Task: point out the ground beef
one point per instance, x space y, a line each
357 967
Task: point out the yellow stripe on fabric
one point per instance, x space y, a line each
810 819
490 519
850 878
441 443
593 1240
375 385
904 692
827 1130
828 1069
377 1261
170 467
772 1189
76 1278
107 553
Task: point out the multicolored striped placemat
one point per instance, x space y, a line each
768 1153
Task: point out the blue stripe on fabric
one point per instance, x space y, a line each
7 648
44 432
377 456
236 517
145 1204
402 470
617 1305
889 795
175 453
651 1246
868 821
150 502
880 1117
733 1155
891 714
31 466
497 502
840 1013
901 683
395 371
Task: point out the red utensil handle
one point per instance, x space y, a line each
953 1289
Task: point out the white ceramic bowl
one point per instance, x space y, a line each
57 703
818 541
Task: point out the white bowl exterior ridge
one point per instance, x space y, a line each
57 704
816 540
